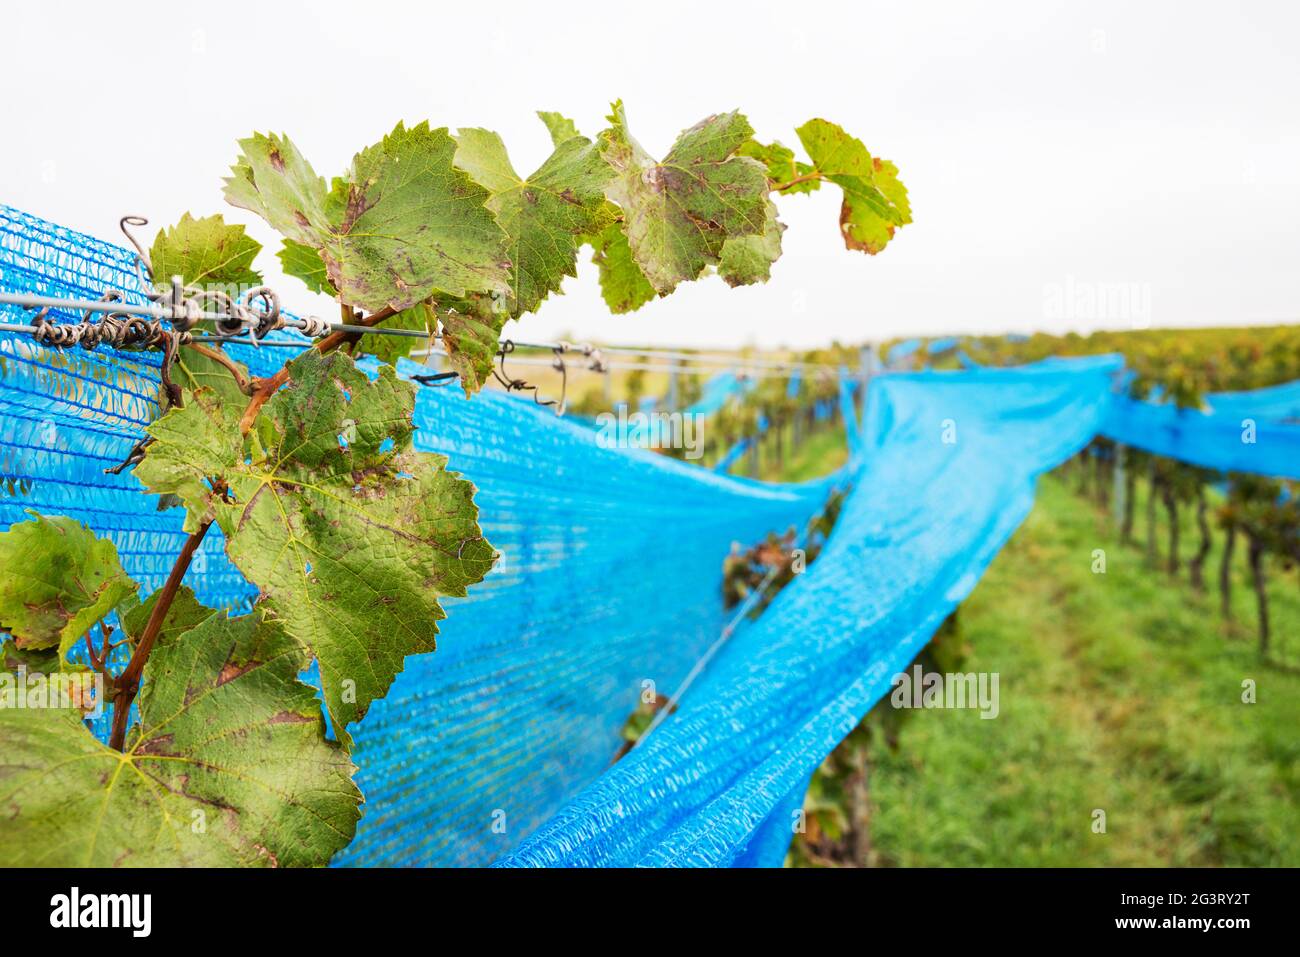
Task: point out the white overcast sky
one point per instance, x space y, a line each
1047 146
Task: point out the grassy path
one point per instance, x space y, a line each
1119 691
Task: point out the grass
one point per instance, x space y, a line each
819 454
1120 692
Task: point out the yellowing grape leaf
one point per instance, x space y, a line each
401 223
205 252
875 200
58 580
678 213
228 767
351 535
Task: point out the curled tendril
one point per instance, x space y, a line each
511 384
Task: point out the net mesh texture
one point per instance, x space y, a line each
498 746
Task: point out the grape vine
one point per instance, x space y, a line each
219 753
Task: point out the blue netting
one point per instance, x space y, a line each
796 380
717 391
1224 442
902 350
714 785
1279 403
69 414
611 578
1256 431
498 745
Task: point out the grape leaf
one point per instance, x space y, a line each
205 252
402 223
545 215
678 214
185 612
351 535
875 201
748 259
391 348
561 127
781 165
229 765
622 283
305 263
59 579
471 332
193 371
35 660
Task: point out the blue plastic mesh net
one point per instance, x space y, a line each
498 746
948 473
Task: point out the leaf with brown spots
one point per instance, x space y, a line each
351 535
471 333
748 259
400 224
679 213
228 766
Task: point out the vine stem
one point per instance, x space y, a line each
265 388
806 178
216 355
127 684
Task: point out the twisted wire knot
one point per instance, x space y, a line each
313 327
120 332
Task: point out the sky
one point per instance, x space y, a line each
1071 166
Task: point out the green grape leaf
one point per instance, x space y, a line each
560 127
875 200
193 371
471 332
391 348
545 215
185 612
402 223
305 263
228 767
748 259
622 283
41 661
59 579
782 167
351 535
205 252
679 213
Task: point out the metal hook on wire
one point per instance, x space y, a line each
141 257
518 385
558 365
